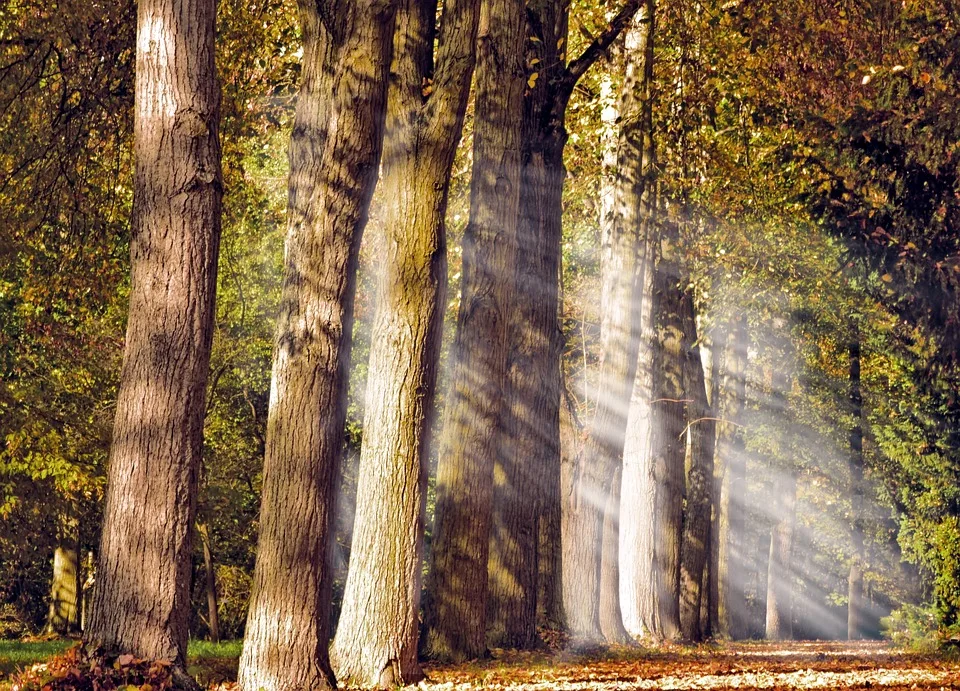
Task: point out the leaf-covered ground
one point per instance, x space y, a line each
800 665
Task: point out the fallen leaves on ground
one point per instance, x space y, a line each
806 665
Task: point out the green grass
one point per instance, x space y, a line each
208 662
17 654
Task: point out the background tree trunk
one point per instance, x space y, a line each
63 616
855 605
334 155
461 538
731 561
718 348
779 625
210 582
378 631
695 548
142 593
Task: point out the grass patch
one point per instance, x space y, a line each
17 654
208 662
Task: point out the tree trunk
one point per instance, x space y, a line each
334 156
731 560
213 616
461 540
696 524
378 630
718 346
779 571
142 592
667 440
63 613
855 605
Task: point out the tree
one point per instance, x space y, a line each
141 597
376 639
462 523
334 155
701 423
855 604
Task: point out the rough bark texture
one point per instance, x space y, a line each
63 615
667 441
210 583
855 604
461 541
624 263
779 625
141 600
378 630
636 505
695 548
731 560
334 156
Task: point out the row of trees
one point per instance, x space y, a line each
717 347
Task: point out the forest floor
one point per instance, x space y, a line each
752 665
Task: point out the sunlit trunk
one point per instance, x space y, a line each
334 156
731 456
855 604
696 524
456 615
63 614
378 630
141 597
779 625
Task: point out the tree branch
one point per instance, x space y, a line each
591 53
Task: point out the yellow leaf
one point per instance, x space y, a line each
886 278
532 81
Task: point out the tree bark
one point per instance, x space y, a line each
636 505
731 561
210 576
855 605
667 441
718 346
378 630
461 540
696 523
142 593
334 156
779 625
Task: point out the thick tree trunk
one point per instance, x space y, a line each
696 524
142 593
636 541
378 630
63 614
731 560
210 582
334 156
855 605
461 541
667 442
779 625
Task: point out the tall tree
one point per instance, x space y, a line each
667 443
624 263
855 604
141 598
462 533
334 156
701 423
376 639
732 461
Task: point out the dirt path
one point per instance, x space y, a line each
795 665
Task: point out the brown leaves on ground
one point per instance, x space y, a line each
77 670
800 665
